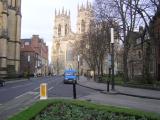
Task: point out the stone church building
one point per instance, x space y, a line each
10 30
64 39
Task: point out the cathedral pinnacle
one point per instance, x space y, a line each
55 12
63 11
59 12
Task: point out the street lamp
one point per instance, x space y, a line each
29 66
112 58
78 66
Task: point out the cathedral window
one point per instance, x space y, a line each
9 2
82 26
66 29
69 54
59 30
13 3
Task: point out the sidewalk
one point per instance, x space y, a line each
136 92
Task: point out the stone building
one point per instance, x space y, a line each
36 51
10 31
64 39
155 24
142 57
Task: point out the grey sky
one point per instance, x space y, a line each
38 17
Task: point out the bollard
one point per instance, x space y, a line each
74 89
107 85
43 91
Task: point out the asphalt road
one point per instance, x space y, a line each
18 95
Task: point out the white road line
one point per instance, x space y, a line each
22 85
36 88
50 88
36 97
18 86
21 95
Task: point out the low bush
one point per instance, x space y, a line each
80 110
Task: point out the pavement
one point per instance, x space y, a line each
120 90
124 97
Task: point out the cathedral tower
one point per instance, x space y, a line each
84 17
62 29
63 49
62 23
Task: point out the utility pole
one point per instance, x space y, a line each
112 58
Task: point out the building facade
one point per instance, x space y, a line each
63 53
10 31
142 60
34 56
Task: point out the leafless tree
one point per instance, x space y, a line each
125 16
94 45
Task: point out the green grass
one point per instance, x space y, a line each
60 109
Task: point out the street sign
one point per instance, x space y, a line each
29 58
43 91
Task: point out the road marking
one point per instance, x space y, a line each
18 86
22 85
36 97
21 95
50 88
36 88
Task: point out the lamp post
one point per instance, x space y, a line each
78 66
112 58
28 66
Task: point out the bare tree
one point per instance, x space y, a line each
125 16
94 45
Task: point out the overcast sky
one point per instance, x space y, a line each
38 17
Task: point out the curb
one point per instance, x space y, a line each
140 96
90 87
120 93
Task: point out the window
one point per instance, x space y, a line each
69 56
139 54
13 3
66 29
139 41
82 26
26 43
59 30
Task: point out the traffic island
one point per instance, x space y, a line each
65 109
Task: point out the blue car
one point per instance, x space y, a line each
70 76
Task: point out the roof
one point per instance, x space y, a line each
70 70
27 48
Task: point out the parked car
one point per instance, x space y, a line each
70 76
2 82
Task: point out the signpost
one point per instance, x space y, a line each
43 91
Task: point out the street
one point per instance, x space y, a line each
18 95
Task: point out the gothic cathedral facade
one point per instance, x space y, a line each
10 31
64 40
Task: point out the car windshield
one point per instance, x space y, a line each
69 73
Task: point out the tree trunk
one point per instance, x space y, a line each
125 64
101 67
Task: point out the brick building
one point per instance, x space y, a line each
34 56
